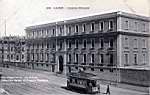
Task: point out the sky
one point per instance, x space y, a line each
20 14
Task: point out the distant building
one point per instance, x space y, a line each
12 51
100 44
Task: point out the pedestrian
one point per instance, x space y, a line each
108 90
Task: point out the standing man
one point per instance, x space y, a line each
108 90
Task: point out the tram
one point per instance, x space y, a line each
84 81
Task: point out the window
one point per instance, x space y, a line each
76 43
11 48
92 58
84 43
92 43
69 58
53 45
76 58
144 59
69 30
7 56
11 56
22 56
143 43
47 46
111 43
42 45
60 30
83 27
46 56
42 32
92 27
126 42
53 32
126 25
111 59
135 42
76 28
136 26
60 45
47 32
135 59
101 58
126 59
101 43
143 27
69 44
101 26
84 58
17 57
111 24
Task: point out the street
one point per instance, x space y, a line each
33 82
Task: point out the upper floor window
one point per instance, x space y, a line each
53 32
76 43
126 25
143 43
144 58
136 26
84 43
126 59
101 43
92 58
69 30
92 26
41 45
101 26
53 45
47 45
126 42
76 57
69 57
60 45
42 32
101 58
83 27
135 42
69 44
110 24
143 27
84 58
60 30
76 28
47 31
111 43
92 43
135 59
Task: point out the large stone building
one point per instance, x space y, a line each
102 44
12 51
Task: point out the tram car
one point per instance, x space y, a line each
84 81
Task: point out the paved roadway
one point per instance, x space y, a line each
50 84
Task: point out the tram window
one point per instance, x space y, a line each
70 80
101 70
93 83
111 70
75 80
84 68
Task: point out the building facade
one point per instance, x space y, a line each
98 44
12 51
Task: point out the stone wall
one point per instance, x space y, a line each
139 77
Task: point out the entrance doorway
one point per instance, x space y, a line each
61 64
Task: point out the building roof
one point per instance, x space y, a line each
90 18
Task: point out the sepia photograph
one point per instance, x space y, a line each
74 47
